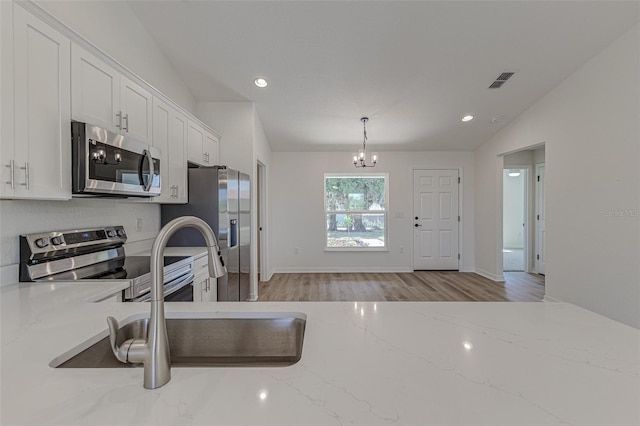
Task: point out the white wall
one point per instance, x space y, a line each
589 124
520 158
297 209
113 28
513 210
538 156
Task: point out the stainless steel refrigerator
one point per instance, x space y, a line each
222 198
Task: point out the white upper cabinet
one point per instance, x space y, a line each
103 97
169 134
210 148
136 104
95 90
37 157
202 145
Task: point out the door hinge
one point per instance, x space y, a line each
537 257
458 218
538 178
538 217
458 180
458 256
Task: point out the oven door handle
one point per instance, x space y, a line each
146 154
170 288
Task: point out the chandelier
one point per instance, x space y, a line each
360 159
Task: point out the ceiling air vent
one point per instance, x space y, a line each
502 78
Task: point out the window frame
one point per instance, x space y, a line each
384 212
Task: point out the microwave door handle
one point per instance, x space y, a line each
146 155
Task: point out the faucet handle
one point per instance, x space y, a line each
121 354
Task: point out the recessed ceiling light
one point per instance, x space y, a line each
496 119
261 82
467 118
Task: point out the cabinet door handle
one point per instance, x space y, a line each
125 128
177 195
119 121
12 167
26 175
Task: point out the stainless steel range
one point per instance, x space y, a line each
98 254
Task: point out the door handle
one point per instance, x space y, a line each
416 225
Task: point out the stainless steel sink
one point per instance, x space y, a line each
256 340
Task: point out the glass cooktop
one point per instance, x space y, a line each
129 267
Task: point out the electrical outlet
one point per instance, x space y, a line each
295 250
401 249
139 224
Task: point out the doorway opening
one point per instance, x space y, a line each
522 233
261 183
515 219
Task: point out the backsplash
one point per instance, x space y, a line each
24 216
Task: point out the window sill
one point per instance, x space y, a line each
358 249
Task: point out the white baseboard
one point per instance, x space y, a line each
548 298
489 275
8 275
333 269
467 269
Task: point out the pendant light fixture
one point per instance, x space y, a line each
360 159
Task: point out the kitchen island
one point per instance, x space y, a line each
411 363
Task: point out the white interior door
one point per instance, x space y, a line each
435 208
541 254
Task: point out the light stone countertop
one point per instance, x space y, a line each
363 364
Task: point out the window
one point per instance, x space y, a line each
356 211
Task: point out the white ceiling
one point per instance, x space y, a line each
414 68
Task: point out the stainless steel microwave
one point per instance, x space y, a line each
108 164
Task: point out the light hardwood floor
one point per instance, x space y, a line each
415 286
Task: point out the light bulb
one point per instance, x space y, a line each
261 82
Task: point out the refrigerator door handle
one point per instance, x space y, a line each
233 238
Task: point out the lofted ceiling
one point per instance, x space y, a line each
414 68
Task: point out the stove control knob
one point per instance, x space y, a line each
42 242
56 241
120 232
111 233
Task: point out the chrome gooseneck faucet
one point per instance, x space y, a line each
153 351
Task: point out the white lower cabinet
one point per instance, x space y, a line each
204 287
36 108
169 134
